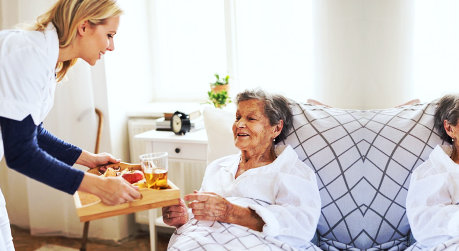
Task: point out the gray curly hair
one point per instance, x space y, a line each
447 109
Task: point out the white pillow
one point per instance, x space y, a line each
218 123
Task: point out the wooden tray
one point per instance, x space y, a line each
89 207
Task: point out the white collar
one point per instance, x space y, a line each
283 153
52 44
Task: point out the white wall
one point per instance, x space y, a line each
363 52
128 71
1 15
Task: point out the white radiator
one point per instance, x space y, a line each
136 126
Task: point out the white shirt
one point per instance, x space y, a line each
432 203
287 184
27 74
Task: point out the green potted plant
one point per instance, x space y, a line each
218 94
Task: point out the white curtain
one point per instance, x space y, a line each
274 46
188 47
436 49
348 54
259 43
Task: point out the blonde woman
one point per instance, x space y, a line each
30 64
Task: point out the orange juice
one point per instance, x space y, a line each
157 178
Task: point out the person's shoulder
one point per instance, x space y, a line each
438 162
22 42
291 163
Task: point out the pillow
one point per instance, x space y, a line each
363 160
218 124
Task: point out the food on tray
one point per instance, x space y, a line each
141 183
94 171
110 172
157 179
130 172
133 176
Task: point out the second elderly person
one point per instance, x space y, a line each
263 198
432 203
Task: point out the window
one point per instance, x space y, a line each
436 49
274 46
259 43
188 47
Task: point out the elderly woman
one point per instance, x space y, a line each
251 200
432 202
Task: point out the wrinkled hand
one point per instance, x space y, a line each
209 206
175 215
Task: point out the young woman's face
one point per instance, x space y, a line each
98 39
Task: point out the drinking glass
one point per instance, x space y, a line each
154 166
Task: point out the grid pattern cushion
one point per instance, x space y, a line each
363 160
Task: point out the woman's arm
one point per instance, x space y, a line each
213 207
23 154
69 153
432 211
296 209
56 147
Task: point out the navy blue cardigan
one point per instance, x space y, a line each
36 153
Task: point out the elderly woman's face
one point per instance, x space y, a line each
251 129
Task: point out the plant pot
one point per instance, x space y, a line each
219 88
219 105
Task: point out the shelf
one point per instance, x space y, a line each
198 136
157 109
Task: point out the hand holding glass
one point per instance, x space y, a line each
154 166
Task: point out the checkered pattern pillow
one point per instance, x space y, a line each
363 160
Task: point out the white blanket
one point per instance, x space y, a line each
450 245
215 236
284 194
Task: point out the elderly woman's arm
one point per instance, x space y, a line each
296 210
432 210
213 207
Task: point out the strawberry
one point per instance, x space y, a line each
133 176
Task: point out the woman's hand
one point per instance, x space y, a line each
92 160
209 206
175 215
111 190
213 207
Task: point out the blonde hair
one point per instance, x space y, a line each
66 15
